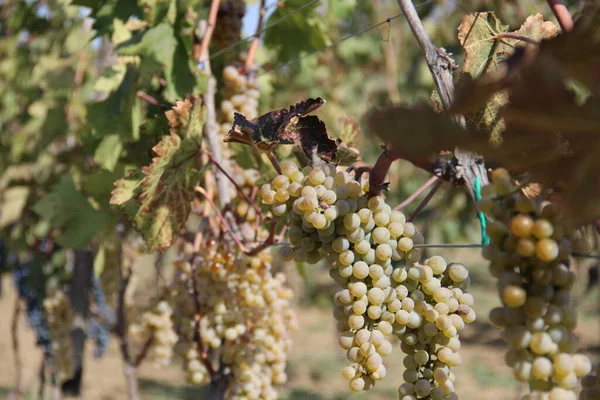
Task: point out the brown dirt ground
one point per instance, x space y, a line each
315 361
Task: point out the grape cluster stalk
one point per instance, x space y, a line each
59 317
386 290
529 256
243 315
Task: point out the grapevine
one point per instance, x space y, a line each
162 168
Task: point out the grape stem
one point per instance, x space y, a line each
237 241
249 65
239 189
426 200
562 14
274 161
145 96
359 169
416 194
271 240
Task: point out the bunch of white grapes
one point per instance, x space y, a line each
245 318
229 23
158 325
246 180
529 255
239 94
591 386
57 310
370 251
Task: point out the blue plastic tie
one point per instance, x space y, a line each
485 239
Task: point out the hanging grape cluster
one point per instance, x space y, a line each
157 324
529 256
245 318
370 251
229 23
59 316
239 94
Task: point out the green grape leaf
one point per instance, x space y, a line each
158 198
77 39
182 76
68 210
12 203
108 152
286 127
111 78
156 47
486 50
303 32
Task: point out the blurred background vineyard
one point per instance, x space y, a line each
70 77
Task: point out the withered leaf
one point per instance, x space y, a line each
283 126
486 49
550 135
418 134
157 199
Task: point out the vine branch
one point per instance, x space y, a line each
426 200
256 40
416 194
210 127
562 14
438 60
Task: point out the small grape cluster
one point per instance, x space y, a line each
57 310
229 23
591 386
370 251
158 325
529 255
240 94
246 318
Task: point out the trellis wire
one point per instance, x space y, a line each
357 33
479 245
246 39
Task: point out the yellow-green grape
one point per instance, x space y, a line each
529 256
57 310
247 318
385 290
